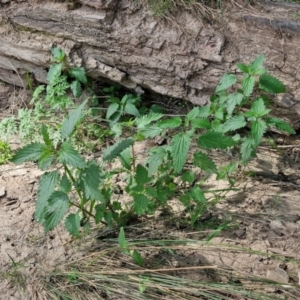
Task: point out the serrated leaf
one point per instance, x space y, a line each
131 109
90 179
180 145
188 176
201 123
271 84
58 54
204 111
54 72
141 175
247 149
198 195
202 161
45 134
234 123
248 83
137 257
58 204
215 140
76 88
226 81
46 161
72 224
281 125
150 131
115 150
78 74
36 93
65 185
258 108
69 124
145 120
122 241
155 159
125 158
219 114
243 68
257 63
193 114
141 203
31 152
258 129
169 123
232 101
46 187
69 156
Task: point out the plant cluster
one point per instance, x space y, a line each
237 117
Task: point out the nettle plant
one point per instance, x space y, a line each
236 117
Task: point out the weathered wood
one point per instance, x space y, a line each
124 42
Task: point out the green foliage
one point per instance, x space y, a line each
234 119
5 152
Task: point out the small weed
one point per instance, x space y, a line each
5 152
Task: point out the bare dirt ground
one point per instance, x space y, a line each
264 211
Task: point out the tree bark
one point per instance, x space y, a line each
182 56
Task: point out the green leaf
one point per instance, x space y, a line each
65 185
141 175
78 74
46 187
69 156
180 145
36 93
169 123
54 72
45 161
99 213
258 108
141 203
122 241
112 109
72 224
243 68
258 129
90 179
204 111
150 131
145 120
58 54
247 149
45 134
188 176
126 159
69 124
76 88
198 195
234 123
137 257
58 204
193 114
202 161
232 101
201 123
271 84
248 83
219 114
281 125
226 81
115 150
131 109
257 63
215 140
31 152
155 159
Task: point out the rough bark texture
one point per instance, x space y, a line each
123 42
